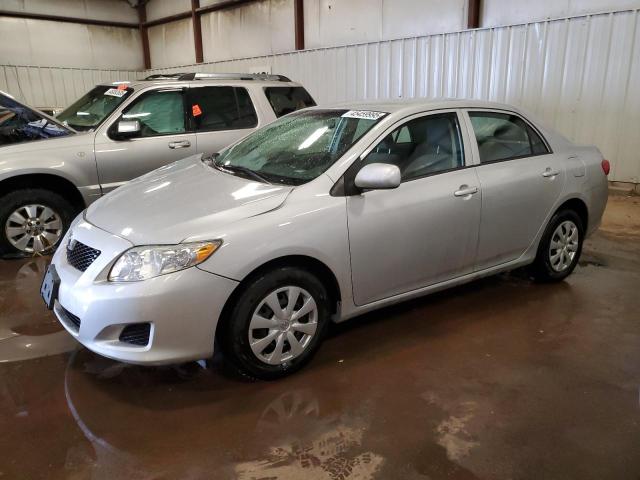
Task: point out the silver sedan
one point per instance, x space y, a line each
323 215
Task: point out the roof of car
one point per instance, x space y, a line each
419 104
267 80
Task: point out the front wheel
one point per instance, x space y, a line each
32 221
276 324
560 248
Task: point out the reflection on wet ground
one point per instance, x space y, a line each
498 379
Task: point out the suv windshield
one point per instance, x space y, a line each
299 147
19 123
90 110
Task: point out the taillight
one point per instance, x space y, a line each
606 166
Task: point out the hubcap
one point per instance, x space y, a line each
283 325
33 228
564 246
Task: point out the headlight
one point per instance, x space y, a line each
142 263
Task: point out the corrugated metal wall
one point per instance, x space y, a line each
579 75
55 87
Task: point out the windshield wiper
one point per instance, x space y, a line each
234 169
244 170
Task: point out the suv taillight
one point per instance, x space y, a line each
606 166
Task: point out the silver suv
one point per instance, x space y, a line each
120 131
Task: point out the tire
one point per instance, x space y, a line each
36 201
275 357
555 264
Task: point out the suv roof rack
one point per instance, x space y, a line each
218 76
165 76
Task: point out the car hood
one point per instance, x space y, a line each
80 139
34 125
182 200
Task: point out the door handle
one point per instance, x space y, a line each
465 191
548 173
180 144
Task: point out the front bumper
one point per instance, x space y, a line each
182 308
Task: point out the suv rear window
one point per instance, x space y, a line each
221 108
285 100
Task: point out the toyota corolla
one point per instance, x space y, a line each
323 215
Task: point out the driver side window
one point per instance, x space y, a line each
423 146
160 112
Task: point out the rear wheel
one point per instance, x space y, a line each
33 221
276 324
560 248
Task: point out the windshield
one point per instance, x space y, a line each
90 110
298 147
19 123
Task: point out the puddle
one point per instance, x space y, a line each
38 329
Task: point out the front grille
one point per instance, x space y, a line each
80 256
72 321
136 334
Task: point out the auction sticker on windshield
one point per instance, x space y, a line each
115 92
363 114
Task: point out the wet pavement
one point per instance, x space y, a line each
499 379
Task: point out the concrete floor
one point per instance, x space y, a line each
498 379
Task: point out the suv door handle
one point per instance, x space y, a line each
180 144
548 173
465 191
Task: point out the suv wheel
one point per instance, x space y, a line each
560 248
276 324
32 221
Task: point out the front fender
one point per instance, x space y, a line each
66 157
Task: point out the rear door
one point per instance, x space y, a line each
521 180
220 115
164 138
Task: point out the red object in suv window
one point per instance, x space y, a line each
195 110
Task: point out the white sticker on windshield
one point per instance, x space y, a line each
114 92
364 114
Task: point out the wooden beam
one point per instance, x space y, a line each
199 11
298 14
144 34
197 30
224 5
169 19
59 18
473 18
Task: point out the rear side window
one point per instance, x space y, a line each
503 136
285 100
221 108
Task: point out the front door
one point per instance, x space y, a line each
425 231
521 181
164 138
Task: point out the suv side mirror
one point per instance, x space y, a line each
378 176
128 129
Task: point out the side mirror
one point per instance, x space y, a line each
128 128
378 176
